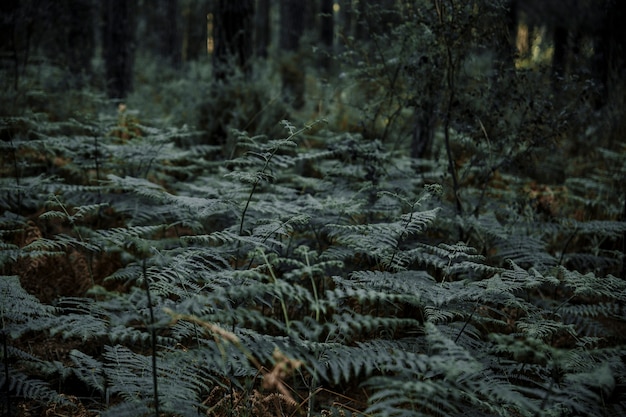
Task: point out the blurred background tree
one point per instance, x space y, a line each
292 21
119 23
233 29
160 31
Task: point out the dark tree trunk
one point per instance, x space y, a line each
361 10
195 34
560 52
81 40
22 25
262 26
292 69
162 36
291 24
118 46
9 12
233 37
346 13
311 14
70 40
508 44
422 132
327 32
609 61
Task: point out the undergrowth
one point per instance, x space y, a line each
444 255
295 280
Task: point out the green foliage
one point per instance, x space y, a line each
295 269
338 278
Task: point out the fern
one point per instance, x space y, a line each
21 313
289 274
439 384
20 310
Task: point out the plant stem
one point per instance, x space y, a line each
5 350
155 385
275 280
266 165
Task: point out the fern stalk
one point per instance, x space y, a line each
623 274
153 340
5 350
17 174
448 112
293 133
275 280
314 287
80 237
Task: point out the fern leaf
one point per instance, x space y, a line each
34 389
88 370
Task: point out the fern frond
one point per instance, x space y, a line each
20 310
589 285
534 327
89 370
129 408
34 389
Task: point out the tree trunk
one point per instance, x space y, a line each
161 35
262 26
311 14
9 46
327 32
507 44
118 46
291 68
560 52
291 24
75 37
233 37
609 58
361 11
346 13
195 35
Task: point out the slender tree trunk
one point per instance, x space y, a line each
162 30
291 24
118 46
609 58
362 10
80 40
262 20
507 44
311 12
233 36
194 33
18 25
327 32
560 52
8 15
292 69
345 29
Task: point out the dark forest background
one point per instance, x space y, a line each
134 51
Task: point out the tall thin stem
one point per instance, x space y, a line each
5 351
153 341
268 159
